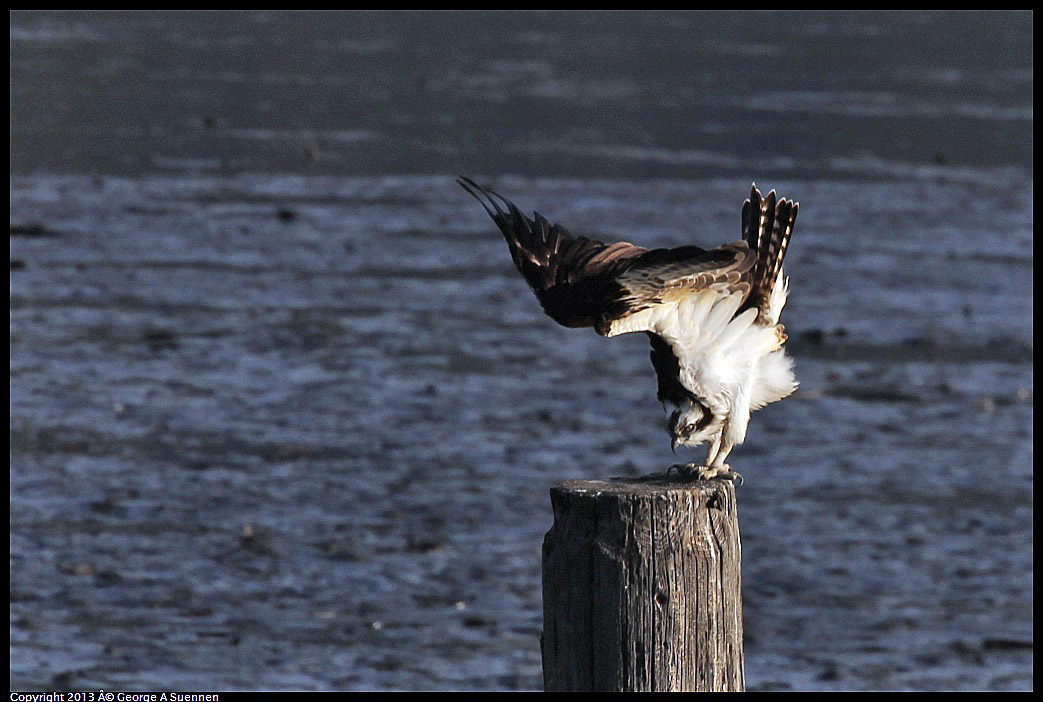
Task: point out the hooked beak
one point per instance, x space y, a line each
674 443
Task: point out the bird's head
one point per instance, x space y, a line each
692 423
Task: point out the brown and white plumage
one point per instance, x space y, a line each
711 315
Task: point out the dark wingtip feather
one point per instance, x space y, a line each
508 205
476 191
468 184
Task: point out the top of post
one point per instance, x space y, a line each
655 484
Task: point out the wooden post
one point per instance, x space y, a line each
642 589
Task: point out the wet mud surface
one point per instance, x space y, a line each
293 426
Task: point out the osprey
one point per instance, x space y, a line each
712 315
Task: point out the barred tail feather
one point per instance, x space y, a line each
767 224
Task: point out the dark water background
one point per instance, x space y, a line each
284 416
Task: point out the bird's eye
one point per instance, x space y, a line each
689 428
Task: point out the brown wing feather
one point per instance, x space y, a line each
726 268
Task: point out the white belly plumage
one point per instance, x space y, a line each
734 363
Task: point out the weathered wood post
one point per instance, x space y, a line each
642 588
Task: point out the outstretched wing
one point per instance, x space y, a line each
585 282
571 275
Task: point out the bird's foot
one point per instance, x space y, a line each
694 471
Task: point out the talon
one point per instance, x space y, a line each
711 472
731 475
725 472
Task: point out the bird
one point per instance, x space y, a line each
711 315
